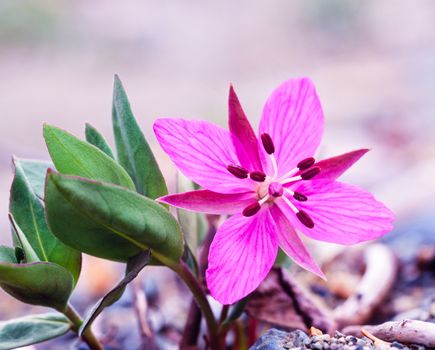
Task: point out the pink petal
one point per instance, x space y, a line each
205 201
241 255
202 151
292 245
242 130
334 167
341 213
293 117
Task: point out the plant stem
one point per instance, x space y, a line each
192 327
198 293
224 313
88 336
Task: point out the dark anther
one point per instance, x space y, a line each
257 176
305 219
309 174
300 197
268 145
251 209
306 163
238 171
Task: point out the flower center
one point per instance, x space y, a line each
276 189
271 188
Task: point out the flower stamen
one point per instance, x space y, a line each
258 176
309 174
238 171
291 179
305 219
268 145
263 200
300 214
251 209
296 195
302 165
306 163
290 204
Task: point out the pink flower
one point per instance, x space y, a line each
271 185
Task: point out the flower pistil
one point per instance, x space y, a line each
272 188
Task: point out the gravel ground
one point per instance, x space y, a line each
275 339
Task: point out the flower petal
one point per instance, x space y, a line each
205 201
202 151
241 255
293 117
334 167
341 213
242 130
291 244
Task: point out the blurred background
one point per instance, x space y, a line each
373 63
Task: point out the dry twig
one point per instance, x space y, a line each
381 269
406 331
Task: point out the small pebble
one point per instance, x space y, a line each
361 342
351 338
334 346
298 340
397 345
317 346
341 340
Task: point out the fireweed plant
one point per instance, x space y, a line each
271 185
113 205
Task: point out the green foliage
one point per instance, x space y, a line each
27 207
28 254
114 223
96 204
37 283
72 156
32 329
282 259
133 151
194 225
94 137
134 266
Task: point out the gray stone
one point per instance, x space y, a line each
317 346
299 338
273 339
351 339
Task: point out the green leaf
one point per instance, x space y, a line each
27 207
114 223
72 156
32 329
94 137
33 172
134 266
38 283
133 151
7 254
237 310
29 254
193 225
188 220
282 259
